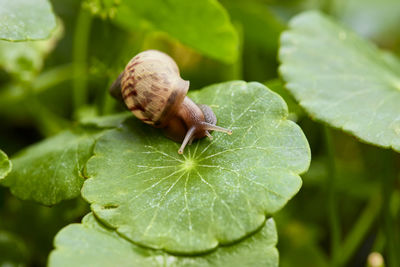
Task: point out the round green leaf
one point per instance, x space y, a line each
91 244
50 171
341 79
218 192
5 165
22 20
202 25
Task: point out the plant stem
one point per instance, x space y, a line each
379 244
108 104
47 121
52 77
389 227
334 222
81 40
360 229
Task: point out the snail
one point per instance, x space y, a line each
154 92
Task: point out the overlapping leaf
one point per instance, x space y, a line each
84 244
5 165
202 25
22 20
341 79
50 171
218 192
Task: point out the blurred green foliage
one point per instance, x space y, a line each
48 86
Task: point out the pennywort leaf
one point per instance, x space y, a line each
216 193
51 170
202 25
83 244
23 20
342 79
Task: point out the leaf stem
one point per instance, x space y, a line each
47 121
81 40
108 104
389 226
334 222
360 229
52 77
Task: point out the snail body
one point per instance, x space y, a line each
154 92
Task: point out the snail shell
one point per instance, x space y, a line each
153 90
152 87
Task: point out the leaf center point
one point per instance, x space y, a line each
188 164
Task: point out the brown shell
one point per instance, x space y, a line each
152 87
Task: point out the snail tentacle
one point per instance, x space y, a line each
188 137
209 135
210 127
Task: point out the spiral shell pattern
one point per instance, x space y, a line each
152 88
